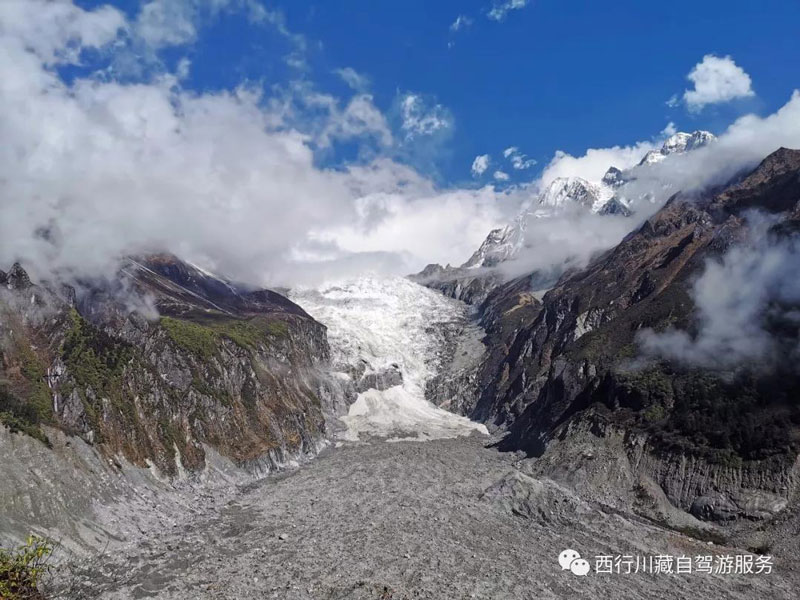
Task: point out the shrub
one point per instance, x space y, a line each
21 570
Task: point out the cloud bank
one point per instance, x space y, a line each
94 169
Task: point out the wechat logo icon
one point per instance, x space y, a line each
570 560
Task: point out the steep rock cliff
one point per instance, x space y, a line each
163 361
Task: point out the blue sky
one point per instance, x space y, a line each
551 75
345 137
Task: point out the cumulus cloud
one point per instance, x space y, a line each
518 160
747 307
501 176
167 23
55 31
716 79
480 164
92 169
501 9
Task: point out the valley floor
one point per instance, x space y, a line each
439 519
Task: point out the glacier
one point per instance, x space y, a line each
389 323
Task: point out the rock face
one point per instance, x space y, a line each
720 444
162 362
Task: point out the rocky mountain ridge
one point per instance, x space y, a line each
565 373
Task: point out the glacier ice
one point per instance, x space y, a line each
384 322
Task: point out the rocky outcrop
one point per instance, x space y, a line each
469 285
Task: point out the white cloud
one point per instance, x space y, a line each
415 223
230 179
741 147
518 160
54 31
226 179
500 10
716 80
669 130
501 176
461 22
480 164
594 163
735 297
183 68
360 118
421 118
167 23
353 78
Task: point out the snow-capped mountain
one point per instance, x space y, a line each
563 193
678 144
567 193
565 190
500 245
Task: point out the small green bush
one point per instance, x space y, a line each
21 570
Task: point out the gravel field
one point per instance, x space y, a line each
440 519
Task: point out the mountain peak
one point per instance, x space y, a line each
679 143
573 189
16 279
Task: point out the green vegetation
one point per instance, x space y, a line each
724 420
21 570
750 417
249 333
97 361
195 338
202 336
27 404
94 358
35 373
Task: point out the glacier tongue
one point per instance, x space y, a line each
386 322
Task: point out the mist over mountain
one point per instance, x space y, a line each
320 302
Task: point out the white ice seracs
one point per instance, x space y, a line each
388 321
